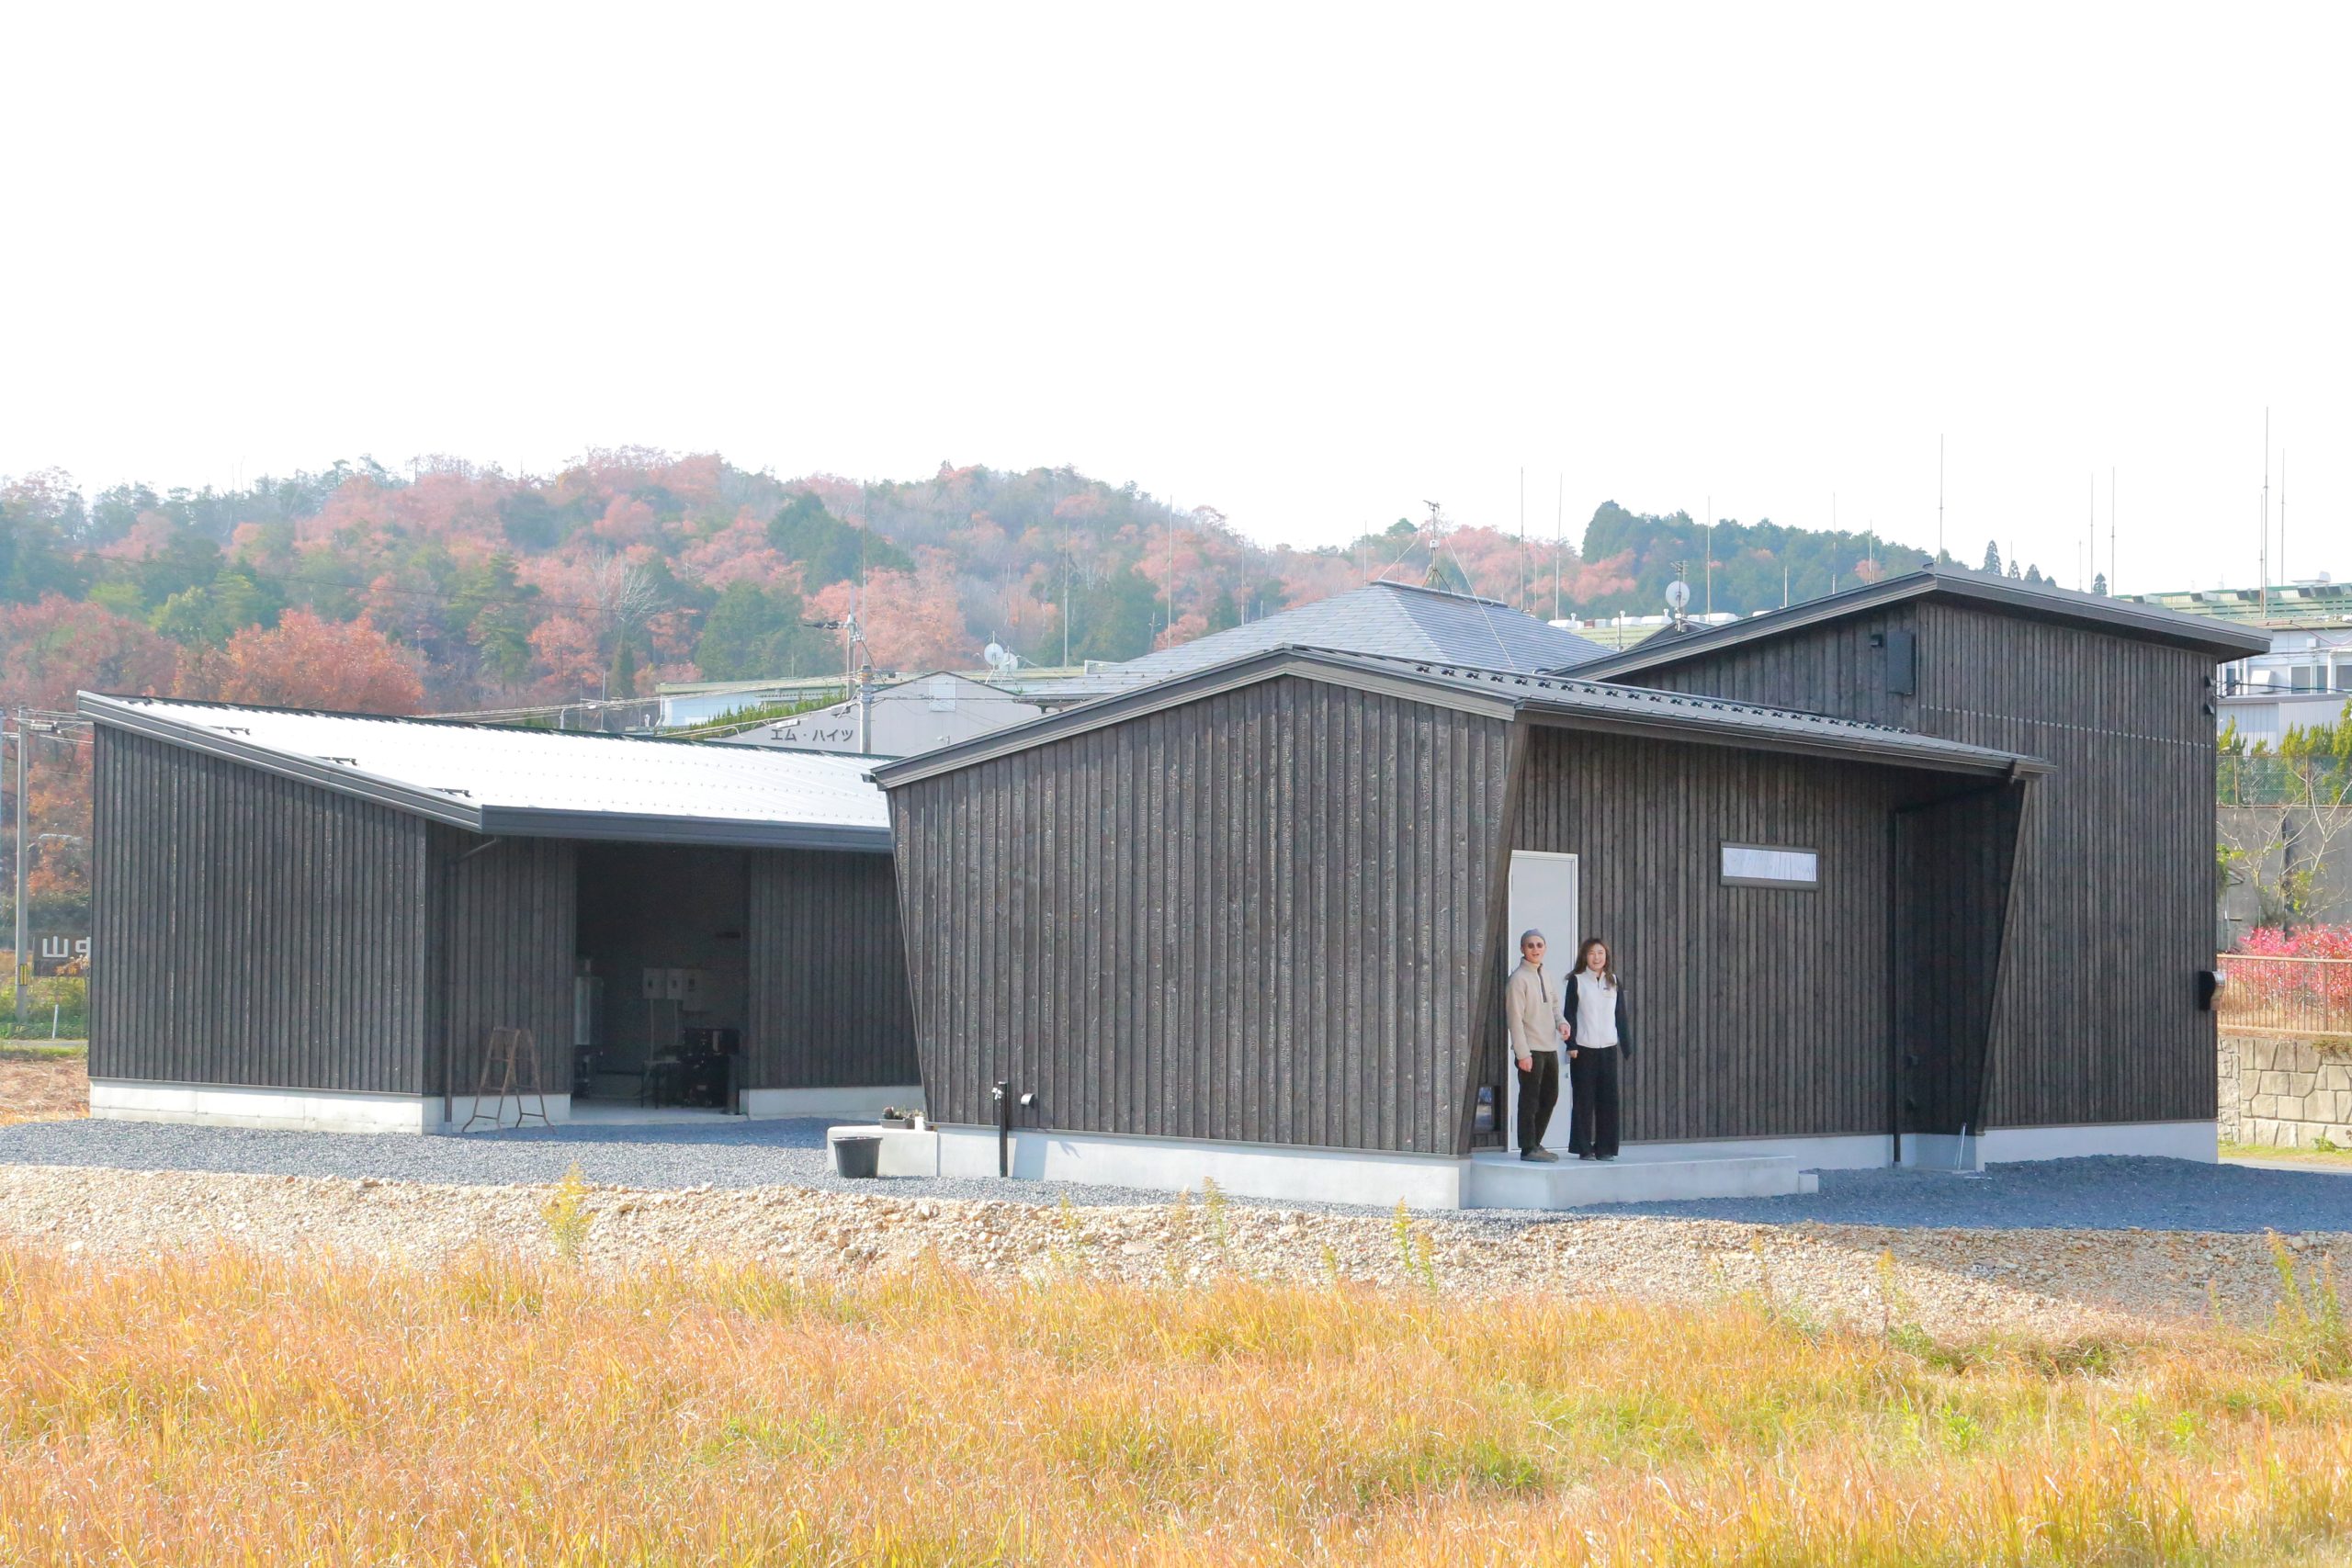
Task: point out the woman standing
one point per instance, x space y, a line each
1598 1037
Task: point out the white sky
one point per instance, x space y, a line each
1308 266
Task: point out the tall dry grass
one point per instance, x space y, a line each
503 1411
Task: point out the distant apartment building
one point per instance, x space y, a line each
2304 679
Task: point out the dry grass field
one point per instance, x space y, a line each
232 1407
41 1083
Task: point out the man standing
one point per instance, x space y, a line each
1534 1020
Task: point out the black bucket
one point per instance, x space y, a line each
858 1157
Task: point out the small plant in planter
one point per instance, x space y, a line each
894 1117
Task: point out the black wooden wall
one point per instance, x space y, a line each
1757 1011
250 930
1955 864
253 930
1262 916
829 1006
2098 1016
1838 666
504 924
2098 1019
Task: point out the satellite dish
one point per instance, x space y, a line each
994 654
1677 594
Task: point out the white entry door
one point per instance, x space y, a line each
1543 899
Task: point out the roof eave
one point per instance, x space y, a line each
2224 641
1697 729
497 821
433 805
526 822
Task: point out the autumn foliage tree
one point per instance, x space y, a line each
307 663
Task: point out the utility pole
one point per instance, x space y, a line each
1559 535
17 958
1711 560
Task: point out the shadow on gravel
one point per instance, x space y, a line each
2096 1192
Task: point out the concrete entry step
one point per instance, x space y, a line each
1506 1181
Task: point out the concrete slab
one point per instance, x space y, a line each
1506 1181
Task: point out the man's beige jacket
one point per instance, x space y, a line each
1533 1013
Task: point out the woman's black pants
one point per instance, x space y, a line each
1592 1103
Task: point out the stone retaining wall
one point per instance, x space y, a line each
2285 1092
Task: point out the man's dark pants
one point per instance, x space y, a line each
1592 1115
1539 1091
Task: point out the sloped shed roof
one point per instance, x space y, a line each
2034 600
534 783
1396 619
1597 704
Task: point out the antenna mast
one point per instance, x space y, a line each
1711 559
1939 500
2113 586
2265 600
1559 533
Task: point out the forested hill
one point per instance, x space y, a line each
453 588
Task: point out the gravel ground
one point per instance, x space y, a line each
1964 1284
2103 1193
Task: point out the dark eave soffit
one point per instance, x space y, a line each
496 821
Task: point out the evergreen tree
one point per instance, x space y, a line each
1991 558
2098 585
828 550
623 682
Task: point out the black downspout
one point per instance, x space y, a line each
1003 1094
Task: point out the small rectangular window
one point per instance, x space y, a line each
1759 866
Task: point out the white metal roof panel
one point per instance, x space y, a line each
537 782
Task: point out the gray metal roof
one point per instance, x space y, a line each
2034 600
1397 619
536 783
1591 705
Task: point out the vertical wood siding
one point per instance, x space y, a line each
1832 668
505 926
253 930
2098 1017
1264 916
1955 880
828 1006
2099 1020
1757 1012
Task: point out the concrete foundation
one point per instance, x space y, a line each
293 1110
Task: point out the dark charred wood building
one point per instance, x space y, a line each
2098 1023
1919 873
316 920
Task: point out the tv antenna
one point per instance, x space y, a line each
1677 596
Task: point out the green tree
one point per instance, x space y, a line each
1114 618
623 679
737 633
828 550
1992 559
208 614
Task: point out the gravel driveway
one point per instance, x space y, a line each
2102 1194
